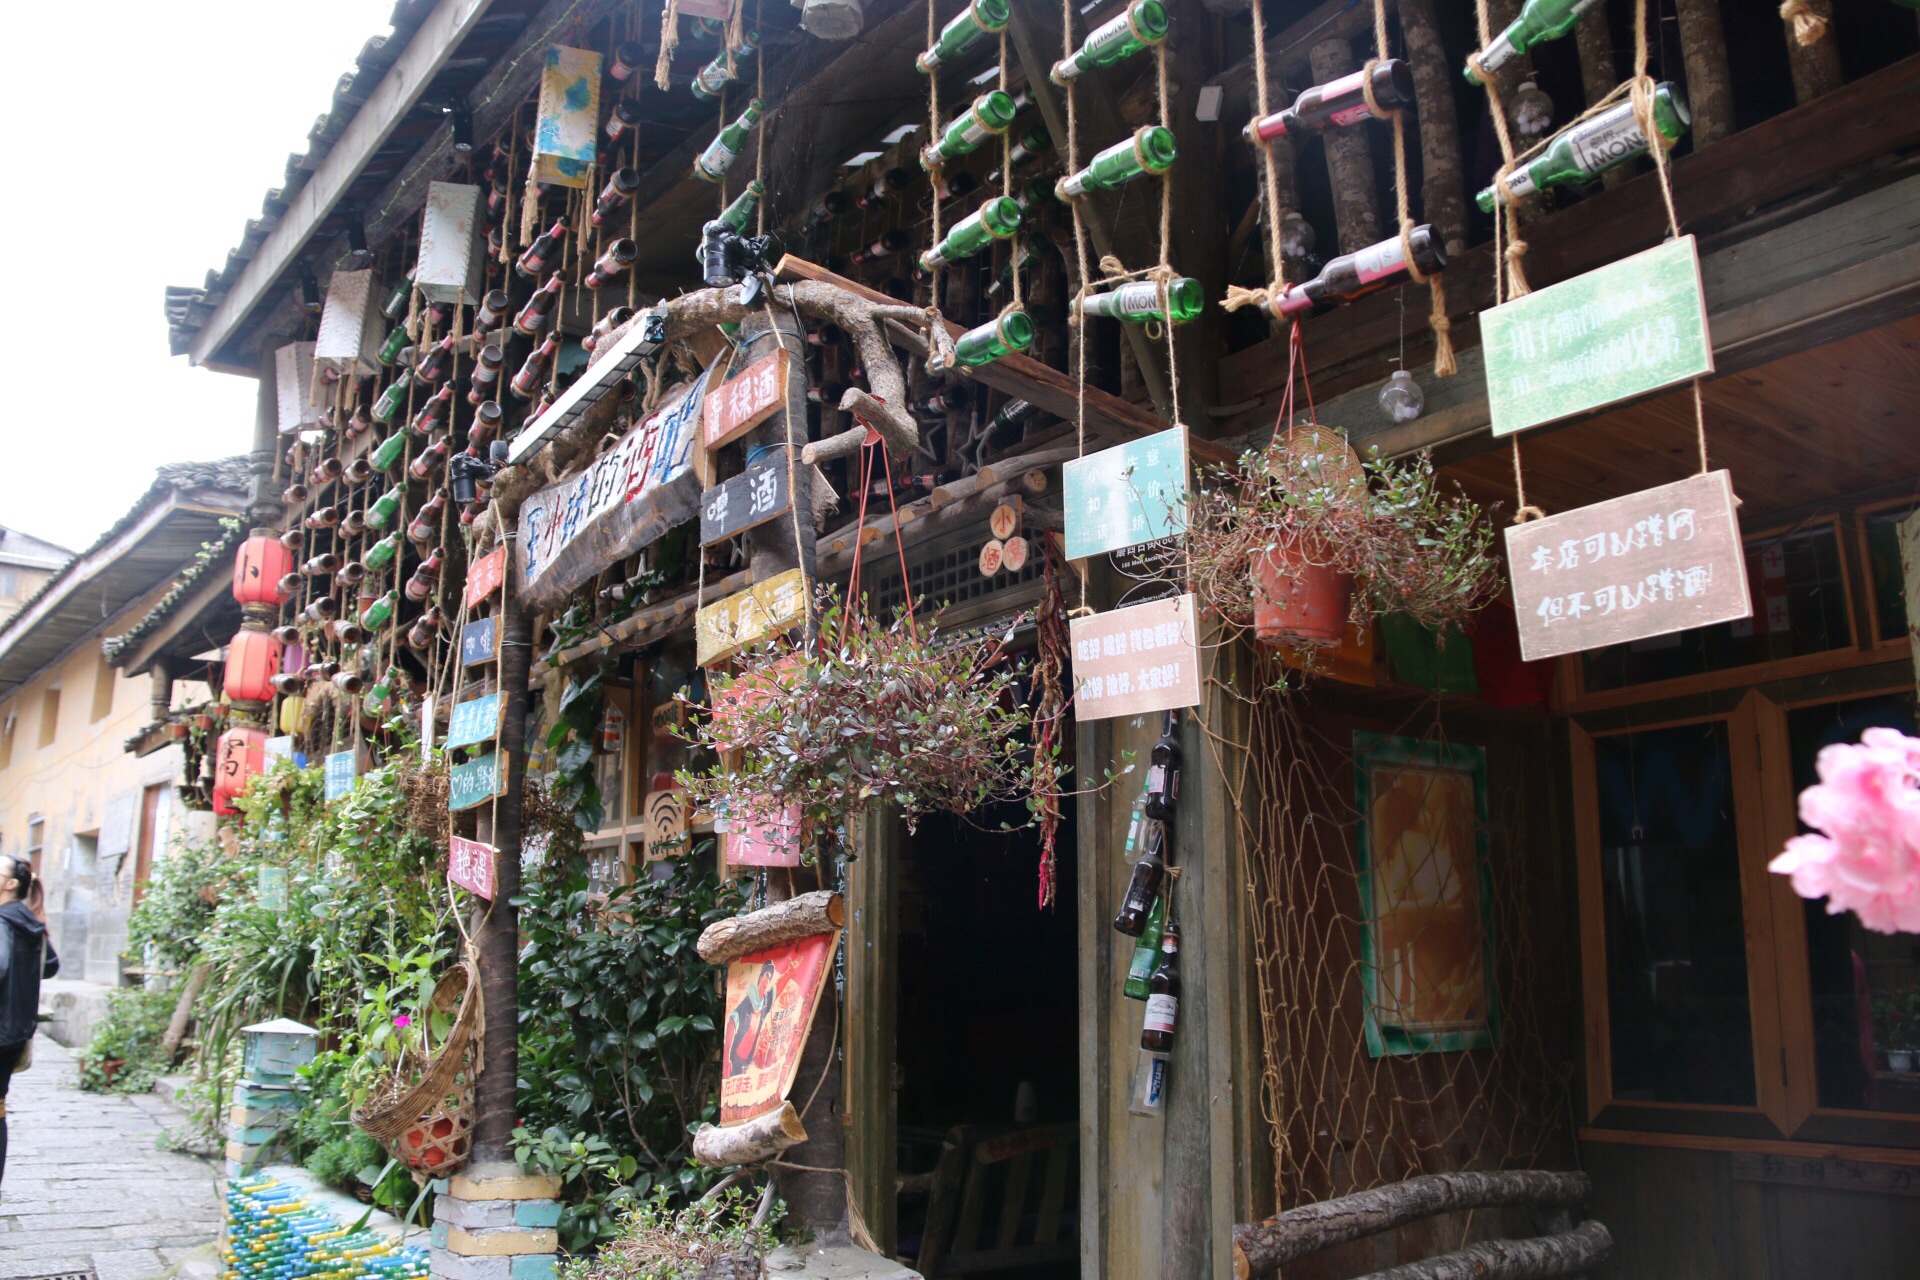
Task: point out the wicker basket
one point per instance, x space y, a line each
429 1126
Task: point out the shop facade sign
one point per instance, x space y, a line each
750 499
476 781
479 642
1129 494
745 400
1131 661
470 865
485 575
727 626
475 721
1658 561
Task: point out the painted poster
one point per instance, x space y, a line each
1426 896
470 865
771 997
567 126
758 837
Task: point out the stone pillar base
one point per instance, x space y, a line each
493 1222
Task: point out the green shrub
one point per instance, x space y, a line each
124 1054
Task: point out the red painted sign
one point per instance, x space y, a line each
757 839
745 400
486 575
470 865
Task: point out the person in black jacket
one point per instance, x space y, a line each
26 956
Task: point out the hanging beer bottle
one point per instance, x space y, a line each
354 523
544 253
1033 144
1149 873
1151 150
885 186
425 575
1339 102
533 317
997 219
385 507
383 553
725 148
429 459
614 196
988 117
893 240
710 81
324 518
484 381
394 398
620 255
1140 25
396 343
389 452
321 609
1163 771
433 415
979 18
347 631
1594 146
380 612
1008 335
1163 998
426 628
426 521
1139 302
739 214
606 325
1146 953
1539 22
1352 274
625 115
351 573
628 58
397 299
437 363
486 423
1028 248
491 313
534 371
381 693
358 421
321 565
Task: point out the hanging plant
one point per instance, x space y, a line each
876 714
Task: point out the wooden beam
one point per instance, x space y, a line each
1288 51
398 92
210 594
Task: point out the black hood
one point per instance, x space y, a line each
21 917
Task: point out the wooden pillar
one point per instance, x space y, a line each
1703 49
160 680
1599 70
1443 197
1349 159
1816 66
869 1034
1909 531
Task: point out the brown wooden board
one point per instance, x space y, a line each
1647 564
1131 661
745 400
479 642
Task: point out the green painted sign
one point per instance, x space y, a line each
1132 493
476 720
476 782
342 768
1631 327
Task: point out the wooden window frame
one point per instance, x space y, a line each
1870 606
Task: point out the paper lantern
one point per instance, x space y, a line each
452 244
567 129
293 387
241 753
253 659
257 569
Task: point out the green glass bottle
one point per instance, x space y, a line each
739 214
396 343
390 451
1151 150
380 612
382 692
382 553
1141 25
710 81
725 149
1539 22
1034 143
385 507
1146 952
1012 332
988 117
1594 146
997 219
394 398
396 304
1139 302
979 18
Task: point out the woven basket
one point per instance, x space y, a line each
429 1126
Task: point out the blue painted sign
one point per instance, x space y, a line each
476 782
474 721
479 642
1132 493
343 767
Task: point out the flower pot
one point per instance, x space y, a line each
203 722
177 730
1295 602
109 1068
1419 659
1900 1059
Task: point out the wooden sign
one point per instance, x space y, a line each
470 865
756 838
753 497
476 782
479 642
771 998
1653 562
663 823
1145 657
342 768
724 628
1013 554
271 890
485 575
745 400
1129 494
993 555
567 129
1005 520
475 721
1630 327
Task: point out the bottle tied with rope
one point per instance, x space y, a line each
988 117
1151 150
1375 91
1593 146
1538 22
713 163
1352 275
997 219
1141 302
1141 25
980 18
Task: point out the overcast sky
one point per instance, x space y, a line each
145 136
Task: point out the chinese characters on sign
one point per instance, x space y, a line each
746 400
727 626
342 768
751 498
1142 658
479 642
1129 494
470 865
476 781
475 720
486 575
771 997
1653 562
1628 328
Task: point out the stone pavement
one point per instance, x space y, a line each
87 1189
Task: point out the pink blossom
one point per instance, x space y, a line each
403 1021
1867 804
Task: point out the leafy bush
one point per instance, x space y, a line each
176 907
655 1242
124 1054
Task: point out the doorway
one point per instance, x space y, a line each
987 1077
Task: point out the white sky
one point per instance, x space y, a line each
145 136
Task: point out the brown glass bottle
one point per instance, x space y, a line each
1149 873
1353 274
1339 102
1163 999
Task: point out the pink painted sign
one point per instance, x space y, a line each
756 839
470 865
486 575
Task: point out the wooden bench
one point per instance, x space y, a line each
999 1199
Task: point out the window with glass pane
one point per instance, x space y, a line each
604 872
1866 985
1885 577
1799 607
1680 1023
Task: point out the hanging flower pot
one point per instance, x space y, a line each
177 730
427 1124
203 721
1297 601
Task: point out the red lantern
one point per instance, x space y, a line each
258 568
253 659
241 754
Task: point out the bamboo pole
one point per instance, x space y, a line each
1349 158
1443 197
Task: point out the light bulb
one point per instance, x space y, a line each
1531 111
1296 236
1402 398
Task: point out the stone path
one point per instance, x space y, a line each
87 1189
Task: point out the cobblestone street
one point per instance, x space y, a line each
88 1191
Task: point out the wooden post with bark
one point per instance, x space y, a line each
1443 197
1356 207
1812 54
1703 50
1599 71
